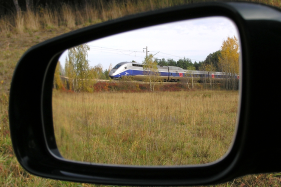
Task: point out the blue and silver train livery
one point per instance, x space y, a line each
166 73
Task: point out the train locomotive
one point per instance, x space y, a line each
165 73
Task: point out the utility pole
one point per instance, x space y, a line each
146 51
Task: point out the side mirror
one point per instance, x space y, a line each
254 149
168 117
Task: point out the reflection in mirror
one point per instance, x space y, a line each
163 95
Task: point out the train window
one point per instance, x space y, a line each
138 65
102 115
117 66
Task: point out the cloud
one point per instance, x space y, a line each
194 39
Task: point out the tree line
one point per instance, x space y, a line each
77 74
225 60
81 76
211 62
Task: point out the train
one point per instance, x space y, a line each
164 73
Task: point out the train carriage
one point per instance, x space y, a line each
164 73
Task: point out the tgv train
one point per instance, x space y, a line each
165 73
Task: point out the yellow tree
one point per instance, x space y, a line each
189 75
77 69
110 67
97 71
70 74
57 79
229 61
151 71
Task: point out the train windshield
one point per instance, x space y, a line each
117 66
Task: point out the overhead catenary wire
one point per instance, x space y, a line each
135 52
116 49
178 56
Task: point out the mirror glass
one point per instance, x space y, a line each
161 96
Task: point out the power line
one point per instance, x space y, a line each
107 48
118 53
124 51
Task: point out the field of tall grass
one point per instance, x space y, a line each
20 32
151 128
74 15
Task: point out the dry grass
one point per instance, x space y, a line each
19 23
32 21
68 16
49 18
161 128
72 16
5 25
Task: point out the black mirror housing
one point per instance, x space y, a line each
256 145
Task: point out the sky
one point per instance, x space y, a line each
194 39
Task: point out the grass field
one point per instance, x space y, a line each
151 128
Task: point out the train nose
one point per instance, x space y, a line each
111 73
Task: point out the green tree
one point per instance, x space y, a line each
197 65
106 74
171 62
77 69
212 60
162 62
97 72
151 71
185 63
